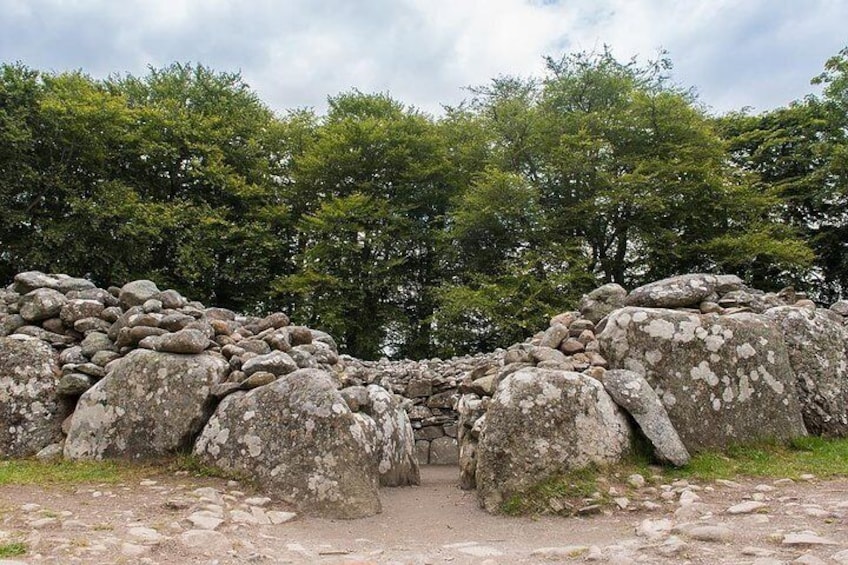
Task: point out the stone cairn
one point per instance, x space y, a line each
692 362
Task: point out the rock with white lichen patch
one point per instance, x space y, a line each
31 412
633 393
723 379
395 443
299 439
818 353
150 404
542 423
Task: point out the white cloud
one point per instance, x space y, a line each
295 53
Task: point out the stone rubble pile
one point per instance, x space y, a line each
135 372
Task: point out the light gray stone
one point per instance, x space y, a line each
633 393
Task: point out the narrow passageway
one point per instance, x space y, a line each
437 522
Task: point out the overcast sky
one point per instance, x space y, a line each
294 53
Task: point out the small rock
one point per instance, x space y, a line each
146 535
746 507
806 538
636 480
710 533
205 520
556 553
277 517
211 543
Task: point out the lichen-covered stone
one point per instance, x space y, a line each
150 404
395 445
818 353
673 292
633 393
542 423
136 293
41 304
31 413
601 301
298 439
723 379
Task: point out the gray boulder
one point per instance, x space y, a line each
187 341
818 353
542 423
601 301
31 280
633 393
79 309
31 413
150 404
395 447
40 304
723 379
298 439
137 293
674 292
276 363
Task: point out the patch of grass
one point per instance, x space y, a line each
34 472
822 457
563 494
825 458
192 465
12 549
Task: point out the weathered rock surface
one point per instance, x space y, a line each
818 353
31 412
723 379
299 439
41 304
633 393
542 423
673 292
395 446
601 301
150 404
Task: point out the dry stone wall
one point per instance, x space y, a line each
692 362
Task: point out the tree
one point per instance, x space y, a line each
373 193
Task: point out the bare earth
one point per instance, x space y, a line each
166 519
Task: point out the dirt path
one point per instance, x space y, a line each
176 519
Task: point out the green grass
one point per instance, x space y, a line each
34 472
12 549
824 458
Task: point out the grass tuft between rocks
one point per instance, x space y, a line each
12 549
585 489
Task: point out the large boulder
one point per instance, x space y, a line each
31 412
674 292
723 379
297 438
395 448
818 352
150 404
540 424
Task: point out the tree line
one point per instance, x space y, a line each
405 234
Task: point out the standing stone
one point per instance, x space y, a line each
149 405
31 413
723 379
298 439
633 393
395 448
542 423
818 353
